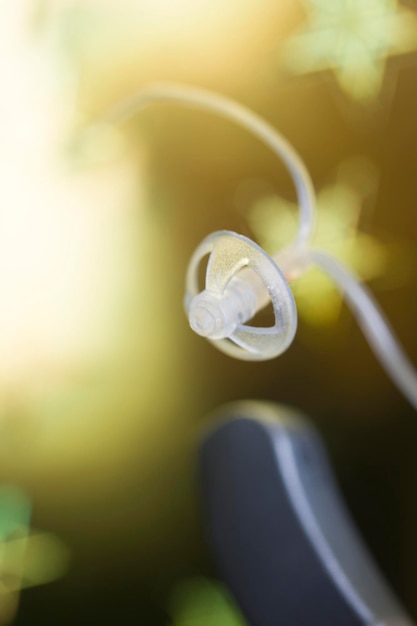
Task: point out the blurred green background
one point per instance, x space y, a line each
103 387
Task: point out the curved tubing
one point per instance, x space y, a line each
198 98
369 316
373 324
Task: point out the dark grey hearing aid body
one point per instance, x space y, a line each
285 543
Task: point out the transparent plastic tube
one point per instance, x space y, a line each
295 258
198 98
373 323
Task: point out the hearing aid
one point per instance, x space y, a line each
285 542
283 539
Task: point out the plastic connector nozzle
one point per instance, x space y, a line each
216 315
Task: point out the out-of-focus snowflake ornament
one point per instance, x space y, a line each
353 39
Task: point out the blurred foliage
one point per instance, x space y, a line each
202 602
102 384
26 558
354 40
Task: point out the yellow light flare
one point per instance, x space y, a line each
207 42
58 251
88 332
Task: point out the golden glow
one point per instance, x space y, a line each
353 39
89 332
102 385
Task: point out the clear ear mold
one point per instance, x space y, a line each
227 302
241 277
